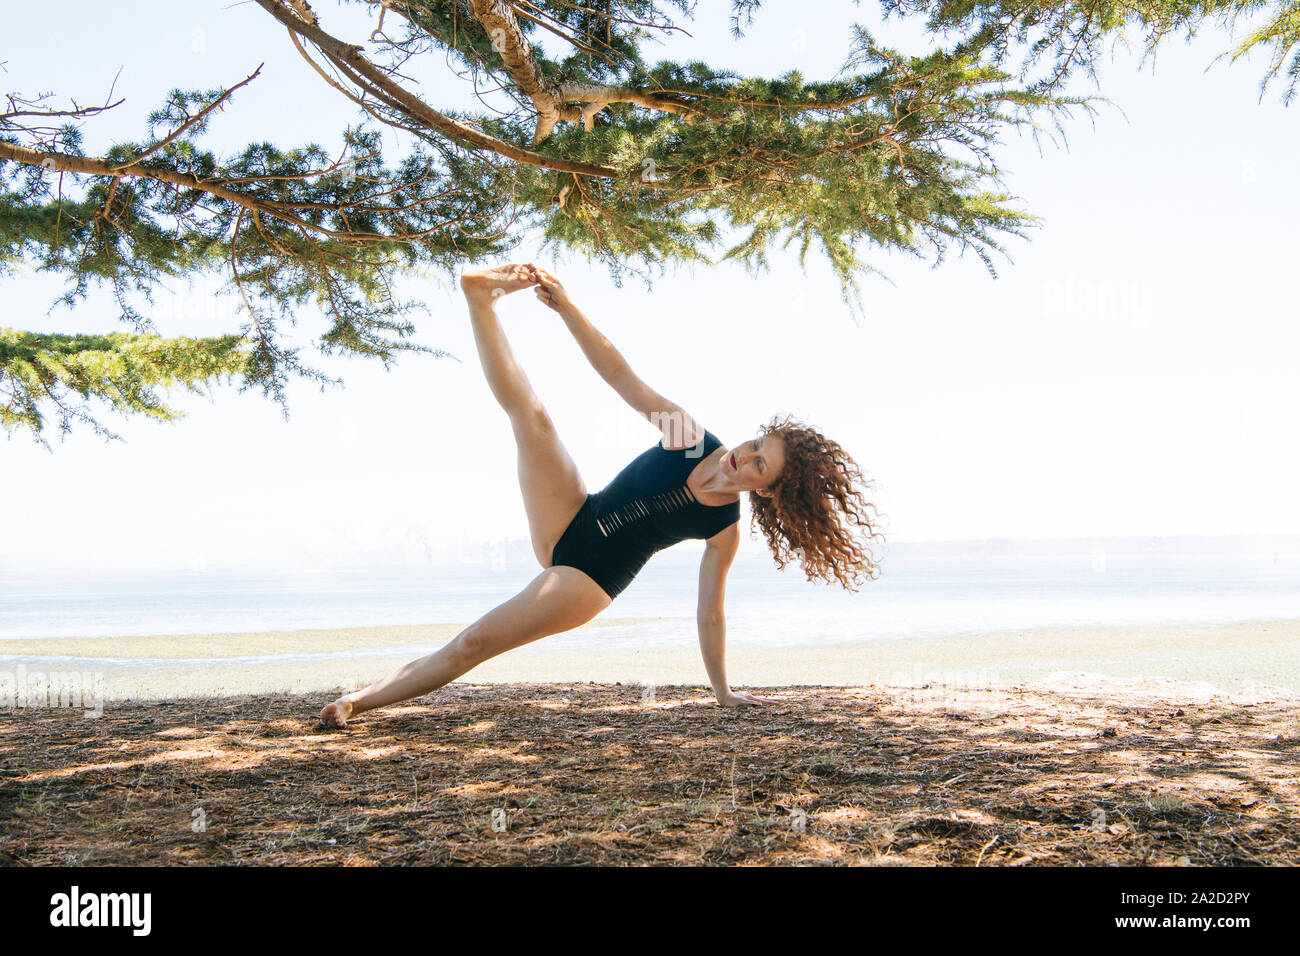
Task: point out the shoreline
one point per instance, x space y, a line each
1243 661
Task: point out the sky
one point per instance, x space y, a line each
1130 371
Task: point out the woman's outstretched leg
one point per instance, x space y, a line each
558 599
552 487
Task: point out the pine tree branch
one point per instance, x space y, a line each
346 55
92 166
498 20
120 369
549 96
546 22
79 112
193 120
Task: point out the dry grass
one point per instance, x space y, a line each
591 774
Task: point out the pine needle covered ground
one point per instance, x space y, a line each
594 774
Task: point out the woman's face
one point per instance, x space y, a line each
755 464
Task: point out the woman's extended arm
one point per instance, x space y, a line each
719 552
679 429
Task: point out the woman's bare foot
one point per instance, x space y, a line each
337 713
498 280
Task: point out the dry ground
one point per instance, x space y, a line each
594 774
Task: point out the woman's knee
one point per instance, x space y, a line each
532 421
473 644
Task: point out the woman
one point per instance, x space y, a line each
801 485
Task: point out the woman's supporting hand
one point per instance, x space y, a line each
738 700
549 289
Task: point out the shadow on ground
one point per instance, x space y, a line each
595 774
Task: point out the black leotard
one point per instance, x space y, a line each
646 508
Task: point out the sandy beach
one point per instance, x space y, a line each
1244 661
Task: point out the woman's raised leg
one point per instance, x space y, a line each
552 487
558 599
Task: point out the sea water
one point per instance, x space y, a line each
924 590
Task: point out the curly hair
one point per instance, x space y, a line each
817 510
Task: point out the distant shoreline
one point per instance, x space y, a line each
1246 658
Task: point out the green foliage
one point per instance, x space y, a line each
894 154
121 369
345 232
1066 35
1281 32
